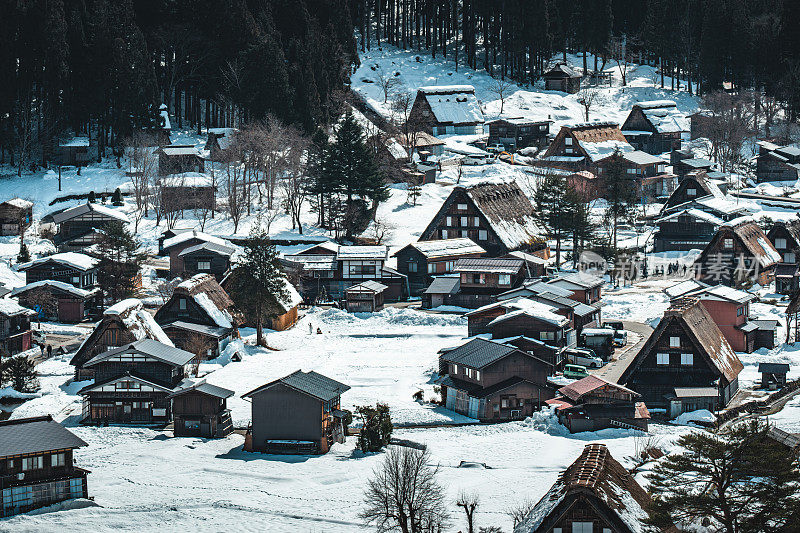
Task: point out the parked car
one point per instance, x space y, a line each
620 335
584 357
496 148
575 371
601 340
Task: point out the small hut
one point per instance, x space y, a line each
15 216
562 78
366 297
773 375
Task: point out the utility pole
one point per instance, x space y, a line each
59 178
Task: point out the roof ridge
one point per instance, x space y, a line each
15 421
589 466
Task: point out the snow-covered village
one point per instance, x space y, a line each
400 265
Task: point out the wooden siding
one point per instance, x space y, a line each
282 413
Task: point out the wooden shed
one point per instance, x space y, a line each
178 158
562 78
15 216
200 410
366 297
773 375
72 304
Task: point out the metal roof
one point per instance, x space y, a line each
367 286
444 285
211 331
478 353
447 247
35 435
209 246
205 388
311 383
696 392
149 347
82 209
479 264
774 368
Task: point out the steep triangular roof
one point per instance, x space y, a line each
311 383
690 315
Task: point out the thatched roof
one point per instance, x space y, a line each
205 284
508 211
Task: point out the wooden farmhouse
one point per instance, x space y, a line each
219 142
421 261
132 383
488 380
773 375
593 403
581 315
16 215
15 327
37 465
79 227
738 254
655 126
168 234
647 170
447 109
685 230
73 152
594 494
692 187
122 323
686 364
365 297
71 304
199 313
585 183
200 410
562 77
179 158
481 279
777 163
204 254
730 310
582 146
523 316
327 269
517 133
299 413
785 237
188 190
443 290
496 216
584 287
79 270
683 163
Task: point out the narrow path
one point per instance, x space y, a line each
622 358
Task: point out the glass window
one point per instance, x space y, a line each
662 358
464 222
182 304
57 459
674 342
203 265
482 235
568 141
455 369
464 233
33 463
687 359
780 243
691 192
582 527
449 221
462 207
444 234
789 257
412 266
478 375
727 243
431 268
504 279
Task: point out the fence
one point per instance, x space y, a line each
757 406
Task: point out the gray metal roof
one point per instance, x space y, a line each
444 285
311 383
696 392
774 368
35 435
205 388
478 353
149 347
480 264
367 286
211 331
209 246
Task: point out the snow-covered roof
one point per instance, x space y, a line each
293 298
508 211
581 279
180 149
488 264
76 142
453 104
638 157
66 287
194 234
664 116
88 207
19 203
725 293
187 179
220 318
138 321
396 149
696 213
602 149
10 307
723 205
447 247
684 287
533 309
75 260
376 252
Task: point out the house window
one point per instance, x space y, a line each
76 280
739 311
504 403
204 266
455 369
483 235
674 342
182 304
413 266
33 463
462 207
568 150
780 243
631 171
691 192
57 459
662 358
727 243
478 375
568 141
464 233
444 234
789 257
547 335
476 221
464 222
431 268
449 221
687 359
582 527
504 279
10 463
449 266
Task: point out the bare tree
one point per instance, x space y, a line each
202 212
42 301
586 98
501 89
234 179
618 48
404 494
25 135
469 502
727 127
142 168
296 182
381 230
200 346
518 512
402 103
388 82
165 288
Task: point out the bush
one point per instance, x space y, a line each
376 427
20 373
24 254
418 396
92 197
116 198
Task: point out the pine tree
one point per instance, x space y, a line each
620 191
120 259
116 198
20 374
24 255
549 201
577 221
258 283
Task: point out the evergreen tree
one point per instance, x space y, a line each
741 479
258 283
577 221
550 203
116 198
376 427
621 193
19 373
24 254
120 259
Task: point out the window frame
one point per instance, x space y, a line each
662 359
